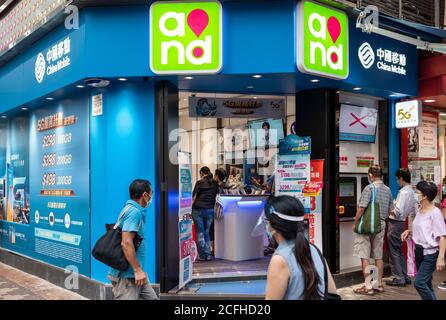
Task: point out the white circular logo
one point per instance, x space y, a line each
36 216
67 221
51 218
40 68
366 55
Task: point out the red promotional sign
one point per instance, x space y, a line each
317 171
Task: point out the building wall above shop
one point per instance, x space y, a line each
258 38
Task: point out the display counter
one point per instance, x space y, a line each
233 240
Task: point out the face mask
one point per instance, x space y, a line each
270 233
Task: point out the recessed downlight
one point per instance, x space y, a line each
257 76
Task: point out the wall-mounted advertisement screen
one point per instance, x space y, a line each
358 123
265 133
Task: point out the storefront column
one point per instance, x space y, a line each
394 149
316 118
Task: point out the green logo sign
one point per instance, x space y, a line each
322 40
186 37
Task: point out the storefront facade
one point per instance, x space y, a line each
115 134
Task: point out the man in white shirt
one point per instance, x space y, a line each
404 206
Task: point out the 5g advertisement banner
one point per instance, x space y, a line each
44 203
60 184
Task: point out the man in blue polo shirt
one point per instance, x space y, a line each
133 284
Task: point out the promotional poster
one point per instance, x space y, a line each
60 185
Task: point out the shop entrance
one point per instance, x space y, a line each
238 135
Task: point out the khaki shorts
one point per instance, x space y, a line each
369 247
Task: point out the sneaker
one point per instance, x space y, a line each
408 281
395 283
201 259
442 286
443 282
209 258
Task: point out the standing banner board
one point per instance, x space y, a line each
185 222
293 168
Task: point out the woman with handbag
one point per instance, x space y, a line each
297 271
429 235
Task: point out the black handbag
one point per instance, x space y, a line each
327 295
108 248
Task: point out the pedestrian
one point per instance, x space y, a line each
133 284
442 285
204 197
404 206
368 247
296 271
429 236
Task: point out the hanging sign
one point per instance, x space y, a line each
186 37
323 40
408 114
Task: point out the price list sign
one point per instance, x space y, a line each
60 184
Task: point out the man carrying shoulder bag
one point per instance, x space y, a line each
133 283
369 227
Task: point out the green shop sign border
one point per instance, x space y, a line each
322 40
186 37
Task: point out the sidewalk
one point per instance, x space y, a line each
395 293
18 285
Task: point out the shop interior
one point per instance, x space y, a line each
234 249
249 162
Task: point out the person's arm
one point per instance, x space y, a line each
443 212
130 254
130 227
277 279
440 259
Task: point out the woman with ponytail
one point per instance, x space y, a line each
296 270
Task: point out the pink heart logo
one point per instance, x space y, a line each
334 28
198 20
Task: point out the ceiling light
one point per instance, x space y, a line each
122 79
80 86
50 99
255 97
4 117
357 88
314 80
188 78
24 109
257 76
430 100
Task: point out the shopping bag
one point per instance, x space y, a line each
411 266
370 221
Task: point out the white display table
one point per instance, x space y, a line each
233 240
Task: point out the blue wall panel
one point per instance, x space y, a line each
122 149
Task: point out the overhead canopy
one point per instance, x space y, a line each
413 29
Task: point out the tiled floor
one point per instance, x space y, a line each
18 285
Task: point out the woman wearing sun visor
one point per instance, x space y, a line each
296 270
